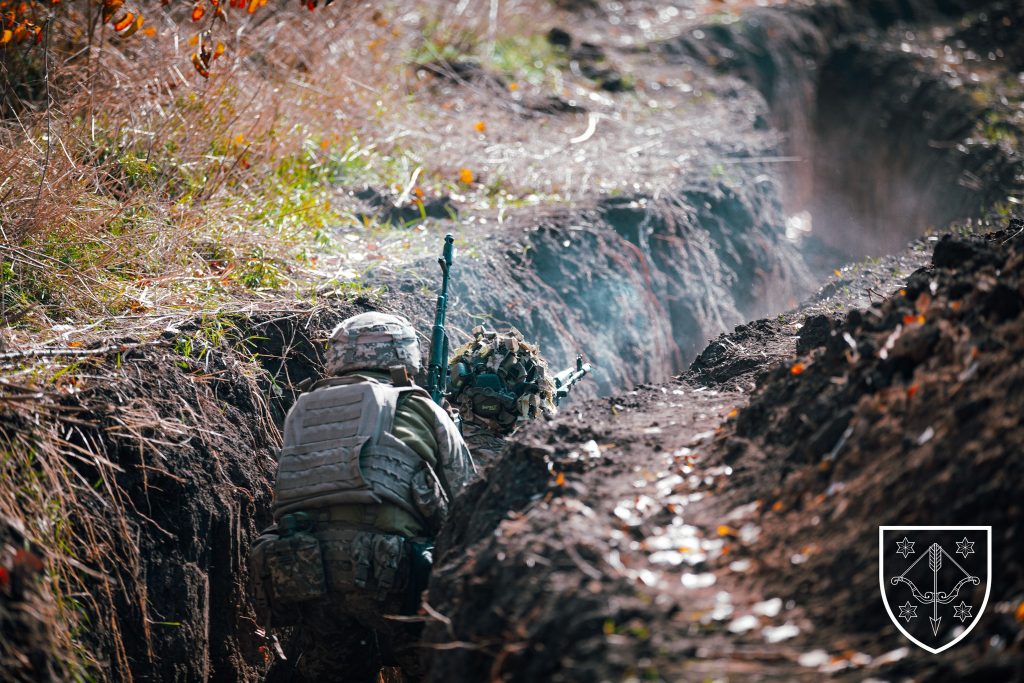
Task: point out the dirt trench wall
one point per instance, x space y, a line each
636 284
880 136
157 470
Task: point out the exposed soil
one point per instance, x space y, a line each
679 532
716 525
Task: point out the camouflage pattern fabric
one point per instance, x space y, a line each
499 380
373 341
362 554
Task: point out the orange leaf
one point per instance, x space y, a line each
253 4
480 126
513 86
733 413
150 32
560 479
1019 614
136 25
201 68
726 530
6 36
913 320
123 23
197 12
219 50
193 40
797 369
466 176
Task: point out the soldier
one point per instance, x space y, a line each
367 471
498 382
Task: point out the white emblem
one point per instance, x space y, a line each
944 579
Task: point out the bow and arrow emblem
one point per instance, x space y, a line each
936 555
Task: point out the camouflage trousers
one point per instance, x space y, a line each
329 647
342 633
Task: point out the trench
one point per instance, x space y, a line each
638 283
876 151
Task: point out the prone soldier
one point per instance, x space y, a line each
498 381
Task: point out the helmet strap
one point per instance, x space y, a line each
399 376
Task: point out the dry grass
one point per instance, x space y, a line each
134 194
156 191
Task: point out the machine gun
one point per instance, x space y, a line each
437 369
565 380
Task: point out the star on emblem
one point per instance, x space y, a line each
905 547
965 547
908 611
962 611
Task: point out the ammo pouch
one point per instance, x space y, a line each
364 564
285 572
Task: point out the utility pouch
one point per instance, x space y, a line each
295 563
379 565
283 573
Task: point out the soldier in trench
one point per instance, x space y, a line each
368 468
498 382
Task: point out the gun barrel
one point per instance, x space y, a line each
565 379
438 365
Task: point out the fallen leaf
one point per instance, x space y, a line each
560 479
797 369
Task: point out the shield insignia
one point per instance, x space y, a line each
935 580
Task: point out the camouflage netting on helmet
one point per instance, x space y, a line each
499 380
373 341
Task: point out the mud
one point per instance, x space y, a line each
914 422
676 532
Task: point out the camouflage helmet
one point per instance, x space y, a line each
498 380
373 341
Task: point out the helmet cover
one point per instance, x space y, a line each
373 341
499 380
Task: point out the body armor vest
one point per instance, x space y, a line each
339 450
